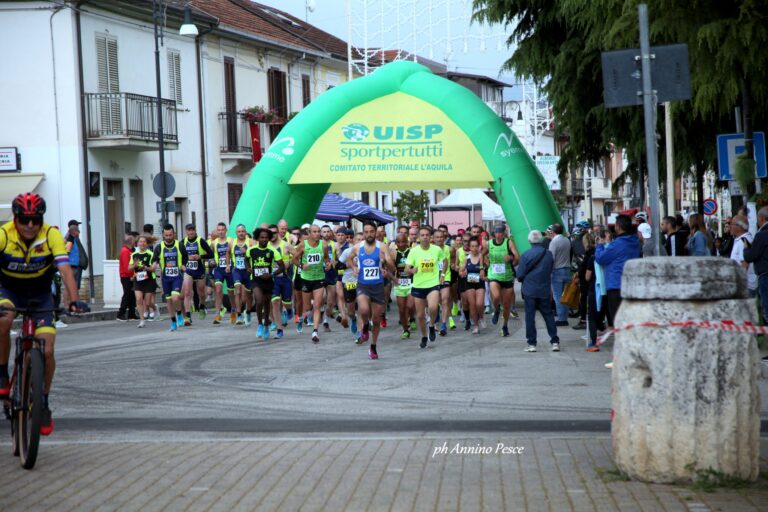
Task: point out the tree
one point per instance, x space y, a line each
410 206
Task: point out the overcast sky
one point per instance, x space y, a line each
474 49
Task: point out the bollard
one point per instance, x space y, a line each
685 399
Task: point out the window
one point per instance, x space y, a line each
278 98
234 191
230 104
174 75
108 83
306 94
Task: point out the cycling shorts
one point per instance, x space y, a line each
42 300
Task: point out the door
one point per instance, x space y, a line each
230 103
136 188
114 217
234 191
180 206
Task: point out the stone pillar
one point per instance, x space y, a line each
685 399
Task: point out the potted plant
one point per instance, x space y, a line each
259 114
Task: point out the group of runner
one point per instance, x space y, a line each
317 274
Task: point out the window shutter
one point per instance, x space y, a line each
108 82
174 75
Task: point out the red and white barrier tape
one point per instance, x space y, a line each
723 325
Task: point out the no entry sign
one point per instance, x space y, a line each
710 206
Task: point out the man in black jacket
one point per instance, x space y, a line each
757 253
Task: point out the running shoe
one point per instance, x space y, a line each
232 318
146 315
592 348
530 348
451 323
475 331
326 327
239 320
260 331
180 320
223 311
365 334
406 335
284 318
315 337
187 322
353 325
338 318
609 365
481 323
467 325
296 319
310 320
344 322
279 334
372 352
432 336
455 309
384 323
299 327
504 331
60 325
272 326
413 325
514 313
141 324
248 319
423 343
443 329
495 318
173 326
46 425
359 341
201 314
487 310
555 347
217 320
153 315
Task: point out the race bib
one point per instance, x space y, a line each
192 265
223 263
313 259
404 281
171 271
371 273
351 285
427 266
340 272
440 265
498 268
260 271
141 276
473 278
239 262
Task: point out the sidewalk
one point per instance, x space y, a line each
554 473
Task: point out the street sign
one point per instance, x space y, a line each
622 75
170 185
547 166
710 206
731 145
170 206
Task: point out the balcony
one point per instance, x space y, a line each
128 122
602 188
235 137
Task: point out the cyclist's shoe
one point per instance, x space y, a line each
5 387
46 426
217 320
451 323
279 334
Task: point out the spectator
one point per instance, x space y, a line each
127 309
588 247
682 226
560 247
78 258
675 243
535 272
587 275
578 253
612 256
644 235
757 253
728 240
741 239
700 243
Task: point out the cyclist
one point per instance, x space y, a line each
423 263
222 273
313 258
198 251
170 257
263 260
501 257
30 252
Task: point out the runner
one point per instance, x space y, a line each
413 237
445 288
473 272
298 298
423 264
281 292
263 258
331 277
371 261
501 257
171 258
198 251
145 284
241 275
313 258
381 237
222 273
462 250
342 244
403 283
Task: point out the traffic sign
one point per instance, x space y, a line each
710 206
170 206
730 146
170 184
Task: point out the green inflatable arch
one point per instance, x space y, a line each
401 127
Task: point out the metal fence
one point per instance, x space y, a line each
125 114
235 133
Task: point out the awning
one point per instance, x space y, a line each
13 184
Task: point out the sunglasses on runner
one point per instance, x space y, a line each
36 220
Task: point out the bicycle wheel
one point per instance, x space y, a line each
31 410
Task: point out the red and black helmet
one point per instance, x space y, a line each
28 203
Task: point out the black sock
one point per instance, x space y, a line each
466 314
45 400
373 348
4 370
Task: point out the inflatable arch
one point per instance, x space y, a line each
402 127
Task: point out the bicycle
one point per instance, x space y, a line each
24 405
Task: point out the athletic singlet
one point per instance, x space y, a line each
262 259
239 255
447 255
341 267
404 279
193 247
499 269
313 256
278 256
370 266
473 270
143 259
169 258
220 252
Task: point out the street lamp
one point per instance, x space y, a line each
187 29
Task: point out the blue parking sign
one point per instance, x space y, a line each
730 146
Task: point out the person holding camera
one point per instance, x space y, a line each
612 255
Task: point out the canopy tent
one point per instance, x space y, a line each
472 196
335 208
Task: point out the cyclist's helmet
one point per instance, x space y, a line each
28 203
584 224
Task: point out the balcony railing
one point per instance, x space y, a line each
235 133
123 115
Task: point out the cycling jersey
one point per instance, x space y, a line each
28 268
